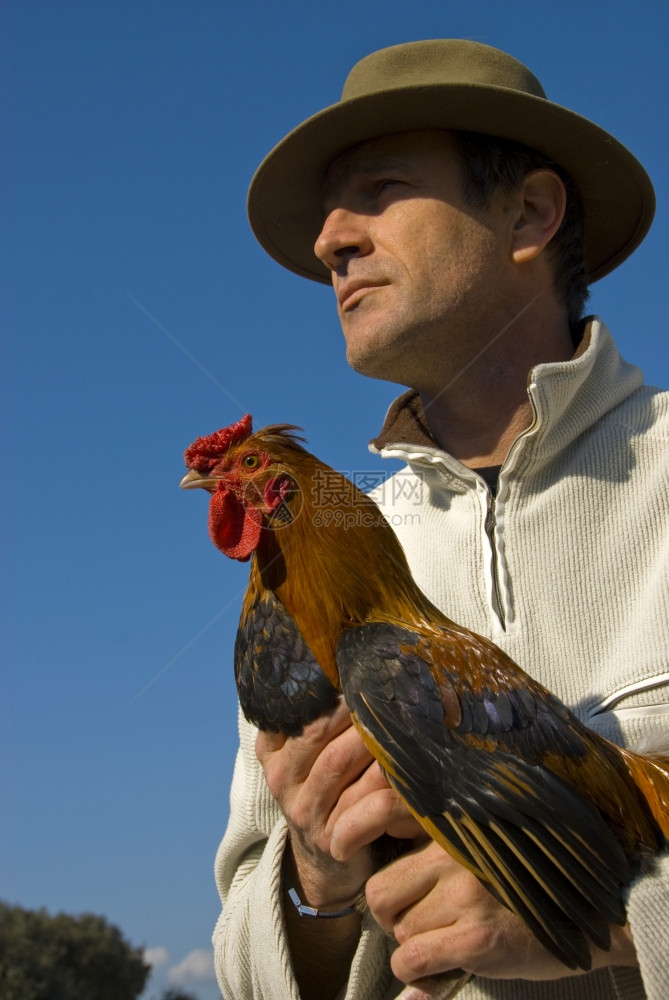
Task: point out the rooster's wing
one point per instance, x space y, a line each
470 751
281 686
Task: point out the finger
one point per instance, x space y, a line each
326 726
307 745
367 810
340 763
308 788
374 780
428 954
370 780
399 895
457 897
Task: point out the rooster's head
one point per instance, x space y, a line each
248 483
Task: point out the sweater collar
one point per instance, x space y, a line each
567 398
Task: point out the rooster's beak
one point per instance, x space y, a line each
193 479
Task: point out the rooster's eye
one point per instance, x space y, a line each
250 461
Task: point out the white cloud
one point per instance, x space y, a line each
156 956
196 967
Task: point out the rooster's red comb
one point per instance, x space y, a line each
203 454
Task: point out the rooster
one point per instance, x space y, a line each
552 818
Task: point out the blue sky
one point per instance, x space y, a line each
140 309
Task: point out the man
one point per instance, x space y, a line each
460 264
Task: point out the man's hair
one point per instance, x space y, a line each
490 163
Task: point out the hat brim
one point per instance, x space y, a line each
284 201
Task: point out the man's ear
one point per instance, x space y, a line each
542 202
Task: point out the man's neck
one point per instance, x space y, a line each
479 417
477 443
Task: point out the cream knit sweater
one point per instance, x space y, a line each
568 571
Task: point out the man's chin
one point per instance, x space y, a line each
375 364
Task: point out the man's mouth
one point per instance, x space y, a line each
351 292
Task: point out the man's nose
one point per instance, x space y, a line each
344 235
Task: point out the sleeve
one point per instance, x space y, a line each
639 719
251 952
648 914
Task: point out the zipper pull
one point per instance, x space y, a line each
489 524
489 528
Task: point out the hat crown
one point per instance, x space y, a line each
438 62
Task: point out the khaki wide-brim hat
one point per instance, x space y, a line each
450 84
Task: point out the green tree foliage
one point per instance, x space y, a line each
66 958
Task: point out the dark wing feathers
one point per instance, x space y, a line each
472 763
281 686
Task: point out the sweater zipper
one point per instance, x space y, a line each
495 596
504 616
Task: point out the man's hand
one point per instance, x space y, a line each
315 777
443 918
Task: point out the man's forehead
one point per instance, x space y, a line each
396 151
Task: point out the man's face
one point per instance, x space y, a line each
420 277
